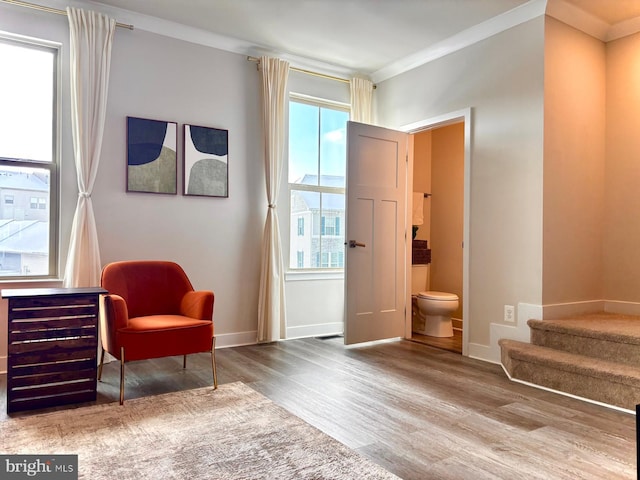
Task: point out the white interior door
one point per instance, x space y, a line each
376 261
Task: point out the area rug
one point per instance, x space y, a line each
233 432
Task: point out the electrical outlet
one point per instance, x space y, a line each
509 313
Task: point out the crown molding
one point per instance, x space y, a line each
590 24
578 18
623 29
171 29
521 14
516 16
198 36
559 9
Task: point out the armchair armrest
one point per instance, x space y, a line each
116 311
115 316
197 304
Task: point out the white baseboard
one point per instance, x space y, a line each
588 400
560 310
623 308
239 339
319 330
480 352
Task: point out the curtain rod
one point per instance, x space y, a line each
309 72
53 10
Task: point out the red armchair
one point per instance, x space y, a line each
152 311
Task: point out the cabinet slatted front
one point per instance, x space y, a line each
52 346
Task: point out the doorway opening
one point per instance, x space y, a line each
439 176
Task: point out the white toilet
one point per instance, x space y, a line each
434 310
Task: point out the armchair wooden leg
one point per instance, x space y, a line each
184 362
121 375
213 362
100 366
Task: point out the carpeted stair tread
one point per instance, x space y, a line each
573 363
604 326
594 356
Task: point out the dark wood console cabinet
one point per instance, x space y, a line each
52 346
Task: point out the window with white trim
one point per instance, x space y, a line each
28 158
317 166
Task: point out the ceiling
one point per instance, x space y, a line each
357 35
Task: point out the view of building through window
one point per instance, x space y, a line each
27 158
317 162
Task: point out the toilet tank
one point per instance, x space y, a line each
419 278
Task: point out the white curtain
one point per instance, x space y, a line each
91 36
271 303
361 100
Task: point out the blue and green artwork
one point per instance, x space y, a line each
151 156
206 161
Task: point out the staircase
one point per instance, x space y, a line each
594 356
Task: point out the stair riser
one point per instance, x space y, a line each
625 353
597 389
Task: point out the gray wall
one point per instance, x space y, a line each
216 240
501 79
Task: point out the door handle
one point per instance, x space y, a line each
354 244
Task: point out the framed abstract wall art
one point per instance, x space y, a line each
206 161
152 156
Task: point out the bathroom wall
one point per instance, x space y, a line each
574 166
438 168
447 210
422 184
422 178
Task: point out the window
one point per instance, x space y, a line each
331 259
28 158
317 161
330 224
337 259
38 203
300 259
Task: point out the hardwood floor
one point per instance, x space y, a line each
421 412
453 344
